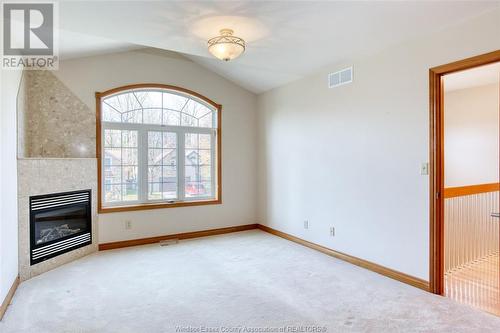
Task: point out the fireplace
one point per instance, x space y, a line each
59 223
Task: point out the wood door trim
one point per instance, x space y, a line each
436 251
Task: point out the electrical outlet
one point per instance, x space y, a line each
306 224
424 169
128 224
332 231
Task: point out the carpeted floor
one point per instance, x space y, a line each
249 280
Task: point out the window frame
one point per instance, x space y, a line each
216 145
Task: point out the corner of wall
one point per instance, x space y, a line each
10 83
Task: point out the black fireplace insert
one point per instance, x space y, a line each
59 223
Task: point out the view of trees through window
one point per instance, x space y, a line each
157 145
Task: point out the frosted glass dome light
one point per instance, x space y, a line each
226 46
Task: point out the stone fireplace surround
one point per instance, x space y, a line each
56 153
38 176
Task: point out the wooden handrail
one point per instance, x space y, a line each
452 192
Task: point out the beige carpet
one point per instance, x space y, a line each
244 282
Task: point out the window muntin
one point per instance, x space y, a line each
158 107
120 165
162 165
198 165
159 145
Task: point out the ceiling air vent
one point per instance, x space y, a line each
340 78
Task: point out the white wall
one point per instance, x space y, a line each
350 157
10 81
471 122
85 76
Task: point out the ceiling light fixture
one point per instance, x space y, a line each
226 46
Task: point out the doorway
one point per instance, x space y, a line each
465 176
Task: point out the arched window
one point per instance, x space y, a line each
158 146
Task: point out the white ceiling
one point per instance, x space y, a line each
475 77
75 45
286 40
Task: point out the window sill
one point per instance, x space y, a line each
116 209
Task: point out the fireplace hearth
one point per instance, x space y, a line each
59 223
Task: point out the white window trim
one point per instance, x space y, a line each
142 145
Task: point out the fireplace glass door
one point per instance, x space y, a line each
59 223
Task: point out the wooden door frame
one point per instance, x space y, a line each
436 269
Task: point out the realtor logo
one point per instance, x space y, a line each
29 36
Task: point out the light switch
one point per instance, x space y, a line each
424 169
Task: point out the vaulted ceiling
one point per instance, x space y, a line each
285 40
